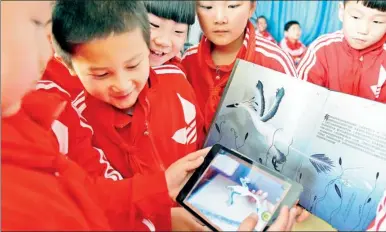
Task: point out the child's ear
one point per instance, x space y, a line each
71 70
253 9
341 11
285 34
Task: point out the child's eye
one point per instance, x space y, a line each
378 22
179 32
233 6
99 76
206 7
37 23
132 66
355 17
154 25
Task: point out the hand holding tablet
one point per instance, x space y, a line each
228 187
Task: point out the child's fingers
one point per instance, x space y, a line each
249 223
193 164
302 214
196 154
282 220
291 219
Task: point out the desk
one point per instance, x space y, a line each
313 223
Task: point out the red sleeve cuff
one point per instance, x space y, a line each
151 197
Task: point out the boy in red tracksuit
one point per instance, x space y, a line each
144 119
291 42
262 28
351 61
41 188
228 35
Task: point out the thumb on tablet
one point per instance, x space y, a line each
249 223
191 165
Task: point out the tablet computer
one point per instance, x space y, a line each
228 187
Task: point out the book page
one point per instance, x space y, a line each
344 176
260 113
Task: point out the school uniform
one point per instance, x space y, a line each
164 122
267 35
209 80
332 63
295 50
58 73
162 127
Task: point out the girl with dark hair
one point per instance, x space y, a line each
169 23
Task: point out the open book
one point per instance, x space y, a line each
333 144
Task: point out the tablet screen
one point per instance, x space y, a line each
230 189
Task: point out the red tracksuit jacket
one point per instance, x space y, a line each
266 35
331 62
58 73
209 80
295 50
44 190
164 125
123 145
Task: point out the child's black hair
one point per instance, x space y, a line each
178 11
373 4
78 22
289 24
262 17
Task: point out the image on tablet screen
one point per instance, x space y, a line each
231 189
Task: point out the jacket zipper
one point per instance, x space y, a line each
356 81
217 73
148 133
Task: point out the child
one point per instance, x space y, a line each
122 104
228 35
262 28
169 27
291 43
123 132
124 100
351 61
60 195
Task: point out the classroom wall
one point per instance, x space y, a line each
315 17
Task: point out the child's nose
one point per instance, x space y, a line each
363 28
220 16
163 40
121 84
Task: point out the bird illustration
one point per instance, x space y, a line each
274 137
243 191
